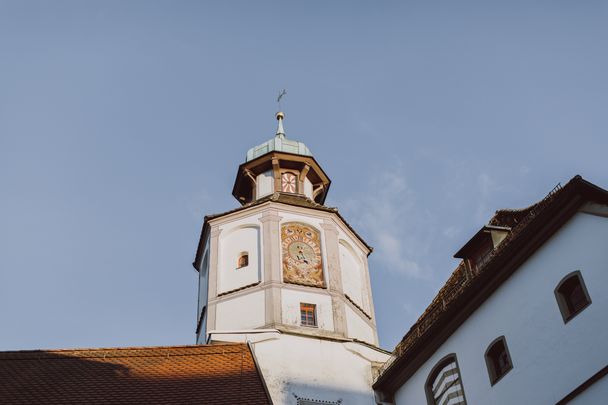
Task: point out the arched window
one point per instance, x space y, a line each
572 296
498 359
243 260
444 386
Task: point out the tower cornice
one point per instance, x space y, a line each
294 201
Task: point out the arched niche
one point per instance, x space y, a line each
233 245
353 275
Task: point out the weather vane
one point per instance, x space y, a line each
281 94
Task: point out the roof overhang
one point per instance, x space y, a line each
286 161
280 198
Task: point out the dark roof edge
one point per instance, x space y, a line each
35 353
533 235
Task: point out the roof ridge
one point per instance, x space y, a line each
127 348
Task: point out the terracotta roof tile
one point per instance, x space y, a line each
203 374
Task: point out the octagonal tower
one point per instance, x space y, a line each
289 274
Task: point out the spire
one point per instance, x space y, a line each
280 130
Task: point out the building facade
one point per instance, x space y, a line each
290 276
522 320
286 316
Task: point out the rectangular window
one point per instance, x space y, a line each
308 314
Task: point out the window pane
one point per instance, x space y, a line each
572 296
308 314
498 360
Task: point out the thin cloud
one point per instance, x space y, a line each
387 214
487 187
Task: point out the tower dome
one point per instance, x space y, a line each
283 166
279 144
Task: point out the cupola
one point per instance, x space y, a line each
280 165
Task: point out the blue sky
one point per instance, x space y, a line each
123 123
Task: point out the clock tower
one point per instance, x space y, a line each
289 275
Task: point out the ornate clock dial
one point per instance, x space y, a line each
288 182
302 260
302 253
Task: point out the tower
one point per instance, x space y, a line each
290 275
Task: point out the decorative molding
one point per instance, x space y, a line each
349 299
238 289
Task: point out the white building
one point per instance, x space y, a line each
523 319
290 276
286 316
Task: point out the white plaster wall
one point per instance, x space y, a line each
356 244
307 188
264 184
352 274
357 327
232 243
241 312
312 220
596 394
550 358
359 255
317 369
291 300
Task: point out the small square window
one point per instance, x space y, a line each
308 314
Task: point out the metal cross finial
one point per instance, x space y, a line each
281 94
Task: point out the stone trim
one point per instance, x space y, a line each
238 289
357 306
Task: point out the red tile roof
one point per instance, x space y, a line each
203 374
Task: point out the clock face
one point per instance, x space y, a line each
288 182
302 260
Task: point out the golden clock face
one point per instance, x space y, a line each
302 260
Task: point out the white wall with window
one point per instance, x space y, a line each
550 357
291 300
234 244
